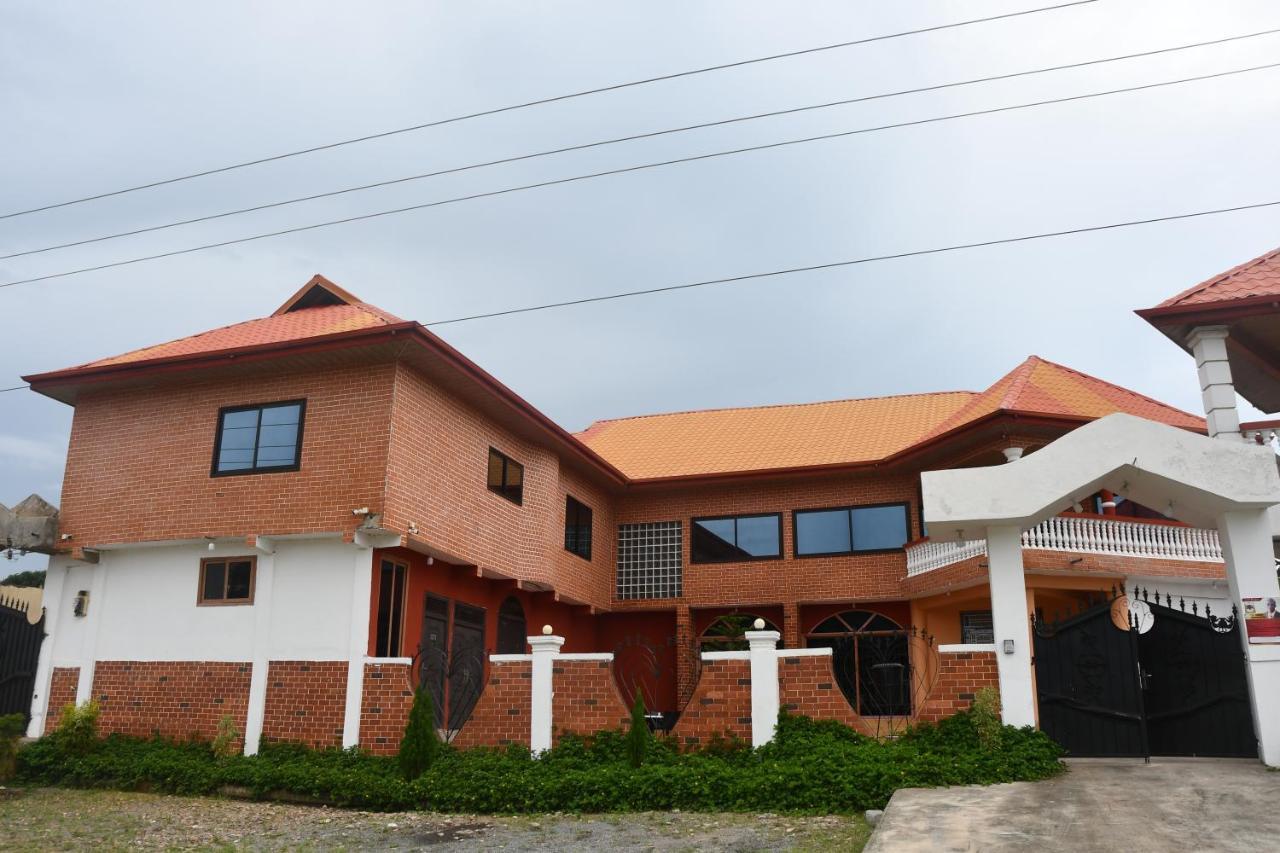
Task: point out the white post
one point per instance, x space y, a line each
358 642
264 587
1247 549
89 645
1010 620
763 651
545 648
52 601
1218 393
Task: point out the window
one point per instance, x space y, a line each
577 527
256 439
227 580
742 537
850 530
506 477
976 627
871 658
650 560
391 580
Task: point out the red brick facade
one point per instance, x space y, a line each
807 685
501 715
721 705
177 699
960 676
585 698
306 702
384 707
62 692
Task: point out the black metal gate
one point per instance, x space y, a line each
19 651
1144 678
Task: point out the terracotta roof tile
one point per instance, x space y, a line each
1258 277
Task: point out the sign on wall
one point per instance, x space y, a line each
1262 620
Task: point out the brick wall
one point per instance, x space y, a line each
501 715
721 704
62 692
807 685
960 676
305 703
177 699
384 707
585 698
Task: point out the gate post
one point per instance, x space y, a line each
763 655
1009 618
545 648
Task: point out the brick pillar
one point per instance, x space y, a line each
686 656
791 626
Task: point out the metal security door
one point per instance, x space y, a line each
19 652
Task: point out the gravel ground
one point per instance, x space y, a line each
59 819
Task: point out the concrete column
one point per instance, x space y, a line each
89 645
264 590
763 652
357 643
1010 620
1251 572
1218 393
544 650
54 577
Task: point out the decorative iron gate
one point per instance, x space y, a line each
19 651
1135 676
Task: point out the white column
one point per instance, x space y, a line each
1209 346
763 651
53 581
1247 549
89 645
545 648
358 642
1010 620
263 593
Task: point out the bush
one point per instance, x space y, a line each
638 736
224 742
77 732
421 742
986 716
811 766
11 728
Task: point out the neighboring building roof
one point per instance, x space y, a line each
1259 277
852 432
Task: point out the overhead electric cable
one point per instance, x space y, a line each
625 170
633 137
541 101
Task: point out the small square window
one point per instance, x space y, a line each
506 476
258 439
227 580
976 627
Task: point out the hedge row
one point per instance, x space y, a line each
810 767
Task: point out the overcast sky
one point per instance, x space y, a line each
94 97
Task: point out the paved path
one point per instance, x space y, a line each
1098 805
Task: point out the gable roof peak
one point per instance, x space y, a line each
318 292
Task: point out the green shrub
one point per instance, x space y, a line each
77 732
421 743
224 742
11 728
638 735
986 716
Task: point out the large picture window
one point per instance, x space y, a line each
227 580
851 530
257 439
577 527
506 476
735 538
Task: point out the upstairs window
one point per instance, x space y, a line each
850 530
734 538
257 439
577 527
506 477
227 580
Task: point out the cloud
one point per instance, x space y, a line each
30 452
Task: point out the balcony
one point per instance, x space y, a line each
1086 535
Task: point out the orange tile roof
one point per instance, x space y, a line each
850 432
1258 277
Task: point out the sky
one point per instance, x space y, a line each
95 97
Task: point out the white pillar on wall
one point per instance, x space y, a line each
1011 623
762 648
545 649
89 645
54 577
264 592
358 641
1217 391
1251 572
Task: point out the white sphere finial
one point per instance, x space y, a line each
546 630
758 624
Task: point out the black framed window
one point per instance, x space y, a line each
506 476
851 530
391 580
735 538
976 627
577 527
258 439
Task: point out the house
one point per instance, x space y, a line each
289 520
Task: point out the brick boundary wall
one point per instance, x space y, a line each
807 685
62 692
177 699
585 699
305 702
960 676
721 704
502 713
385 703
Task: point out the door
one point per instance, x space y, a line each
435 652
19 651
466 663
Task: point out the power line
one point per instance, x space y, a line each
542 101
956 247
631 138
626 170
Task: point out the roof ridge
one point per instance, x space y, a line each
1109 384
1021 377
1220 277
768 406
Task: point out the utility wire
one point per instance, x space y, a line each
631 138
628 169
541 101
956 247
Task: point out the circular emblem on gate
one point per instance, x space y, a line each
1126 611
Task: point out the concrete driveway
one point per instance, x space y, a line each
1100 804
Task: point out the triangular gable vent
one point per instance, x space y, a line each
319 292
